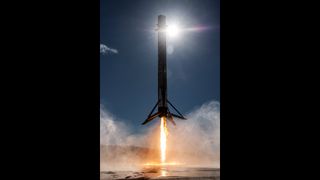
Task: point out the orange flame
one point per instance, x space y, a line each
163 138
163 164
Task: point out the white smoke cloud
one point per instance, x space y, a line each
105 49
119 149
193 141
198 136
113 131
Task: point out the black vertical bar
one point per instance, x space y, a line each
162 64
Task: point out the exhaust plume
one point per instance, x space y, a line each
193 142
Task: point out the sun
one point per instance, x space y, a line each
173 30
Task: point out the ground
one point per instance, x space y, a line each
181 173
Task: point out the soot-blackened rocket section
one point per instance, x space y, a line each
163 110
162 64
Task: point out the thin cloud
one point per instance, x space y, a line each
106 50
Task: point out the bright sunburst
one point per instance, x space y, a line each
173 30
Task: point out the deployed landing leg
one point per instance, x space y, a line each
150 116
180 116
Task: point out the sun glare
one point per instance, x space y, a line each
173 30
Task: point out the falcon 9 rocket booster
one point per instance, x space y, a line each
162 103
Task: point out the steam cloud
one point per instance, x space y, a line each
105 49
195 141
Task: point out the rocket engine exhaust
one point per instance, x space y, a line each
163 139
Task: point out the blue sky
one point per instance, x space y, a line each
128 74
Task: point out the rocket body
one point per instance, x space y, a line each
162 66
162 103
